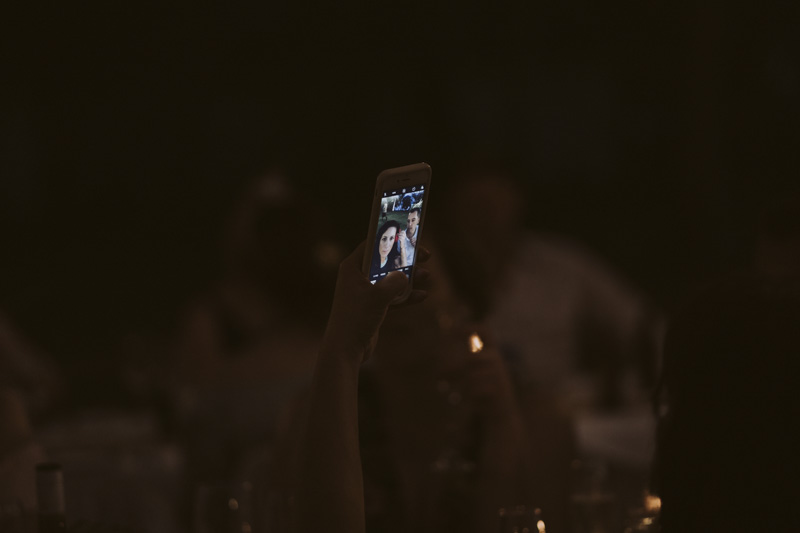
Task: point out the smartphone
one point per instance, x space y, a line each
398 214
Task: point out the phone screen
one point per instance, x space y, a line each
398 231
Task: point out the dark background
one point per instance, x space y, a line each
654 133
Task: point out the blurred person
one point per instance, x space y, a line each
98 446
726 457
330 490
247 343
30 388
444 437
562 319
19 452
32 373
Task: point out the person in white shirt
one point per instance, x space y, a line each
408 239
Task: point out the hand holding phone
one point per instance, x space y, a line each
398 210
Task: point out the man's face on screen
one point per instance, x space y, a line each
413 220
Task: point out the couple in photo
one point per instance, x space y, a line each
394 245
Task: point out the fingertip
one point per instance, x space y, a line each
394 283
396 275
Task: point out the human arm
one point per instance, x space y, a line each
330 496
526 445
504 441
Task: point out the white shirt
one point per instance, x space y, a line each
410 248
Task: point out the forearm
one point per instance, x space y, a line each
331 495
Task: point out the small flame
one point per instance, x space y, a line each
652 503
475 343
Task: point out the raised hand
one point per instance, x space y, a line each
330 495
359 307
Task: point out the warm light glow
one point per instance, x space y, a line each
652 503
540 526
475 343
233 504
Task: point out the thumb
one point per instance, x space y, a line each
391 286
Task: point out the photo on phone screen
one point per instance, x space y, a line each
398 230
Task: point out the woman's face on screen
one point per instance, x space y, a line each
386 242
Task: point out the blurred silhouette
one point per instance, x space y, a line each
19 453
326 477
727 447
247 344
446 436
117 466
29 371
570 330
562 319
29 388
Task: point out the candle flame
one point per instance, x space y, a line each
475 343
